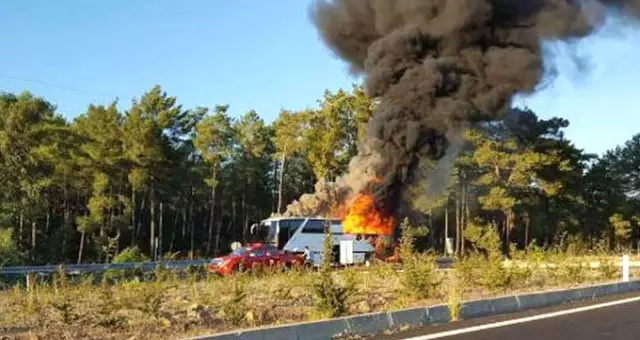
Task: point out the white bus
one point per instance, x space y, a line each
293 234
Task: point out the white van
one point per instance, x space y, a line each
292 234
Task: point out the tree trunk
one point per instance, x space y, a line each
192 227
233 218
467 215
527 225
244 214
176 219
21 226
82 235
184 222
465 206
205 223
216 248
281 175
152 224
47 223
133 217
111 211
34 232
118 236
160 231
67 216
432 229
465 203
212 213
65 200
446 224
82 240
458 234
141 219
507 231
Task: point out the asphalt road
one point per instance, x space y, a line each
617 322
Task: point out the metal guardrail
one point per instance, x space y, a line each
441 263
99 267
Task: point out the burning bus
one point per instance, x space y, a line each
371 233
293 234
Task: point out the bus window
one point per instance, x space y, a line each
317 227
287 229
314 227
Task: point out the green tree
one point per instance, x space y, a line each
511 169
214 140
287 141
102 129
152 127
30 129
252 166
335 129
621 229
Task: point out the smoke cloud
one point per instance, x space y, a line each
437 65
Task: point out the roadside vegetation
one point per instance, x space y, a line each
185 304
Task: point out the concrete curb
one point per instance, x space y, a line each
381 321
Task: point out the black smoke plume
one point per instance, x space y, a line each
437 65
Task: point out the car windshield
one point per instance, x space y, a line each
239 251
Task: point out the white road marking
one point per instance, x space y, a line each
521 320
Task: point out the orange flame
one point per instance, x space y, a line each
363 218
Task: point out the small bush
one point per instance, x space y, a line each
568 270
64 305
466 268
576 273
127 255
60 279
235 309
148 297
492 273
454 296
417 270
108 305
9 254
608 268
494 276
331 298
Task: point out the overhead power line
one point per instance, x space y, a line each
62 87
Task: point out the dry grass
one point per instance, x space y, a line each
170 307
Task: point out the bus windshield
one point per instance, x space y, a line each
262 232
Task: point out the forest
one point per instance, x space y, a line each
185 182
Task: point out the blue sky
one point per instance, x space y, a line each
262 55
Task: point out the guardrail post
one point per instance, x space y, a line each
31 281
625 268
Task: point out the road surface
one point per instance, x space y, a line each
611 318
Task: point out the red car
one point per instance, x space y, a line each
253 256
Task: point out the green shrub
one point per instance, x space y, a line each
569 270
331 299
454 297
491 271
127 255
235 309
9 254
417 269
608 268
